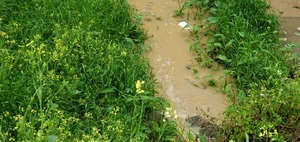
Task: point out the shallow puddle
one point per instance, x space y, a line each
173 64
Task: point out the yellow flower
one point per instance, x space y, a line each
124 53
168 113
169 108
275 132
175 114
3 34
138 86
140 91
270 135
88 115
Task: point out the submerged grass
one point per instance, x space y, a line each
72 71
243 36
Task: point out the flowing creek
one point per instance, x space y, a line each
173 63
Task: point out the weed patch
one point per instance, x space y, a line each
243 36
72 71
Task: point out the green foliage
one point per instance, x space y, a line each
243 36
198 7
69 72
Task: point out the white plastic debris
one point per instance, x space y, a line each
298 29
184 25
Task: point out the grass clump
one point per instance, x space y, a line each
243 36
72 71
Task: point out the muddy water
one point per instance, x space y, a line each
173 63
290 30
286 8
288 12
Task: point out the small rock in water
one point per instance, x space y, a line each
188 67
205 126
298 7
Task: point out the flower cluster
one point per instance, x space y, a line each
138 86
169 114
266 133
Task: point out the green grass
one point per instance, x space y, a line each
69 72
243 36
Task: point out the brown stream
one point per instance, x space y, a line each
173 63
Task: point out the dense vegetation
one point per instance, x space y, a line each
244 37
72 70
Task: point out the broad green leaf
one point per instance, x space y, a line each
267 68
52 138
220 36
212 20
229 43
242 34
228 88
129 40
54 105
195 71
75 92
228 71
207 76
107 90
286 48
95 33
222 57
186 5
206 2
218 44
